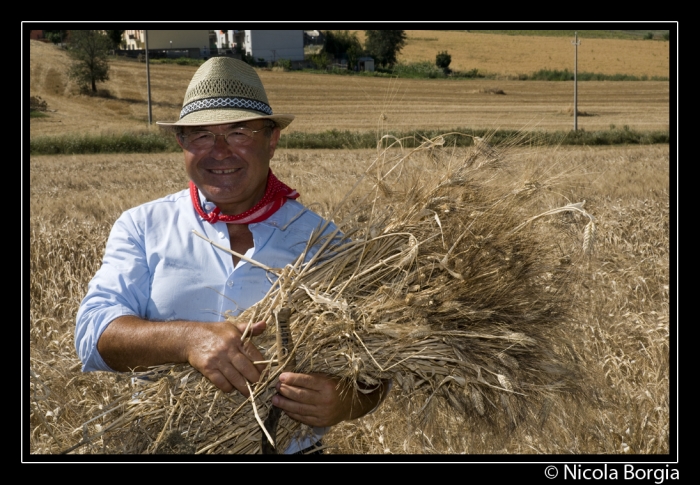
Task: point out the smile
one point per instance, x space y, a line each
218 172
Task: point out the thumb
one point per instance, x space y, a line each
255 329
258 328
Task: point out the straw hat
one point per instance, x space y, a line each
225 90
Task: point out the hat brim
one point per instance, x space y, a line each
224 116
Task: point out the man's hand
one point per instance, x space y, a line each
318 400
218 352
213 348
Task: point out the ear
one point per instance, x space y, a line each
178 139
274 139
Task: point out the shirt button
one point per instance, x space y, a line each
230 284
209 206
221 235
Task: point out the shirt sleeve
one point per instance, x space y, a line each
120 287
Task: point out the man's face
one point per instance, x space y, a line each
233 177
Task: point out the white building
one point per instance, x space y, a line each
273 45
225 39
366 64
167 39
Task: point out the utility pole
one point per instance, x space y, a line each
148 80
576 43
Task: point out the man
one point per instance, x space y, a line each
161 292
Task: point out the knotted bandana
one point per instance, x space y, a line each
276 194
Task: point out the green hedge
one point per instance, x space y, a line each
337 139
566 75
123 143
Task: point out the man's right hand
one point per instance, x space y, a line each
219 353
215 349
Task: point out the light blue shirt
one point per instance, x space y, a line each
155 268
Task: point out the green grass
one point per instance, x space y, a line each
121 143
428 70
420 70
37 114
566 75
336 139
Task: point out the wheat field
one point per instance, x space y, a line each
621 330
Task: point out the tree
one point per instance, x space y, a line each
341 43
443 60
89 50
116 37
55 36
384 45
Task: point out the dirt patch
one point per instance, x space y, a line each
570 112
54 82
491 91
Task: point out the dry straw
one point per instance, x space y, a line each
447 280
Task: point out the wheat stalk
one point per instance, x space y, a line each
589 237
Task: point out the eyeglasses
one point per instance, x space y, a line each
201 139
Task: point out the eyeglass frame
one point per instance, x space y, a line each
187 144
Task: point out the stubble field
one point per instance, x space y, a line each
620 330
509 56
324 102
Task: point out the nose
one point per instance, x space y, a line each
221 148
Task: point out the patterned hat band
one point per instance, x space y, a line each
226 103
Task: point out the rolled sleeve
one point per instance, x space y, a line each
119 288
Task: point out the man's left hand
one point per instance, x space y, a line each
319 400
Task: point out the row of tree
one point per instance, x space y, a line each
382 45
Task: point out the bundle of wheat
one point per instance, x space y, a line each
451 282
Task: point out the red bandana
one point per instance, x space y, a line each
276 194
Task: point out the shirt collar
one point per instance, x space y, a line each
278 220
206 205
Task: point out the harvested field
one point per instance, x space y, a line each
509 56
324 102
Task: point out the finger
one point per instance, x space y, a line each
255 329
314 382
235 378
300 412
259 327
244 368
254 355
291 406
298 394
308 420
219 380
